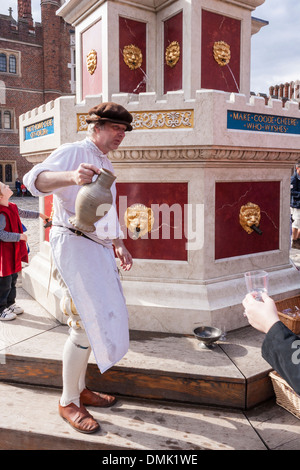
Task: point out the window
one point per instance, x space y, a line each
8 173
6 119
12 64
9 62
3 65
72 65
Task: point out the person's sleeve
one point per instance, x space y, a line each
281 349
7 236
28 214
62 159
30 179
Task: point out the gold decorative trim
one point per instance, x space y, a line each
143 120
81 122
222 54
172 53
132 56
91 61
170 119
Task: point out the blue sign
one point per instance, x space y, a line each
39 129
243 121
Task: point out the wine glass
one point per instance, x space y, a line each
257 283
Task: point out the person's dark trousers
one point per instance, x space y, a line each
8 291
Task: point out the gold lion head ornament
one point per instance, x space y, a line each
250 218
132 56
139 220
172 54
222 53
91 61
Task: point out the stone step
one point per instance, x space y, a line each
30 421
168 368
157 366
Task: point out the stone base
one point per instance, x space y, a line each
169 306
44 289
180 307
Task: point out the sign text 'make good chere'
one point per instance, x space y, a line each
240 120
39 129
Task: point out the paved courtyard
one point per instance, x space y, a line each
265 427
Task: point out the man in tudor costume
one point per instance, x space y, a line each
85 263
13 251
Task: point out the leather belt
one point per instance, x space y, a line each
77 232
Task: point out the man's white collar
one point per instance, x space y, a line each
94 147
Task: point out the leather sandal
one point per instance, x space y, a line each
87 397
79 418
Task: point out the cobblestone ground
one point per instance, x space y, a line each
32 225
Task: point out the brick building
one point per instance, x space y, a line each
37 63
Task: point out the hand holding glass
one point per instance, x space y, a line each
257 283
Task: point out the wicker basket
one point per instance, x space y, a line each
292 323
285 395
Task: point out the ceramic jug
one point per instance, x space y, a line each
93 202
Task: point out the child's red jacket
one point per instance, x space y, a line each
12 253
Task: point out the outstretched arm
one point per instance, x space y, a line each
281 347
48 181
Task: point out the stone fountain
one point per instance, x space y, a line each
201 151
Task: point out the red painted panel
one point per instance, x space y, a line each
173 32
216 27
167 239
48 206
91 39
230 238
132 32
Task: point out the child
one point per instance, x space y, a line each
23 189
13 251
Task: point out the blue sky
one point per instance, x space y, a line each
35 6
275 50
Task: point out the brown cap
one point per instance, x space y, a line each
112 112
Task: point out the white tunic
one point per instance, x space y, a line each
88 269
